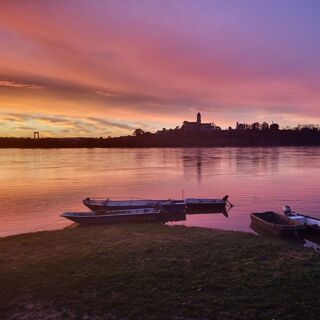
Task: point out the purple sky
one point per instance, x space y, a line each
99 68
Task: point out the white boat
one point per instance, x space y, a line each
132 215
310 222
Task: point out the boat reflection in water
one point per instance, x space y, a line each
203 217
173 217
194 211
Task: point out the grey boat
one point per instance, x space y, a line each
106 205
132 215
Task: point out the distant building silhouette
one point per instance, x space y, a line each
198 125
198 118
36 135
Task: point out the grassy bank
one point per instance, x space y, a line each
155 272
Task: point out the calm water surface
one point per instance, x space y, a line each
36 186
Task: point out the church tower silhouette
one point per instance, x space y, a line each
199 118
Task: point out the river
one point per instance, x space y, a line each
37 185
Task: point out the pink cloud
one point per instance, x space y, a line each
162 63
6 83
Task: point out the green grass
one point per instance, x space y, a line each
150 271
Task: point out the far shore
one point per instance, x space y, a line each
151 271
178 138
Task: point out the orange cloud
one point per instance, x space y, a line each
6 83
116 62
108 94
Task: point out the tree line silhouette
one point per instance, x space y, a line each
245 135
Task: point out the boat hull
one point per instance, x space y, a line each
111 218
174 206
203 207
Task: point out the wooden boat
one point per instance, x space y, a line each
100 205
275 223
197 204
132 215
298 218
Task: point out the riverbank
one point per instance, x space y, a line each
151 271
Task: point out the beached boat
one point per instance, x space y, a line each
298 218
101 205
275 223
200 204
132 215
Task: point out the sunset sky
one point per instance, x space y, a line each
103 68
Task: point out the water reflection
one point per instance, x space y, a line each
199 162
258 161
175 217
204 218
223 211
199 167
37 185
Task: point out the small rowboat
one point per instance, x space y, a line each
298 218
106 205
133 215
275 223
196 203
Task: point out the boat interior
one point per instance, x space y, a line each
272 217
